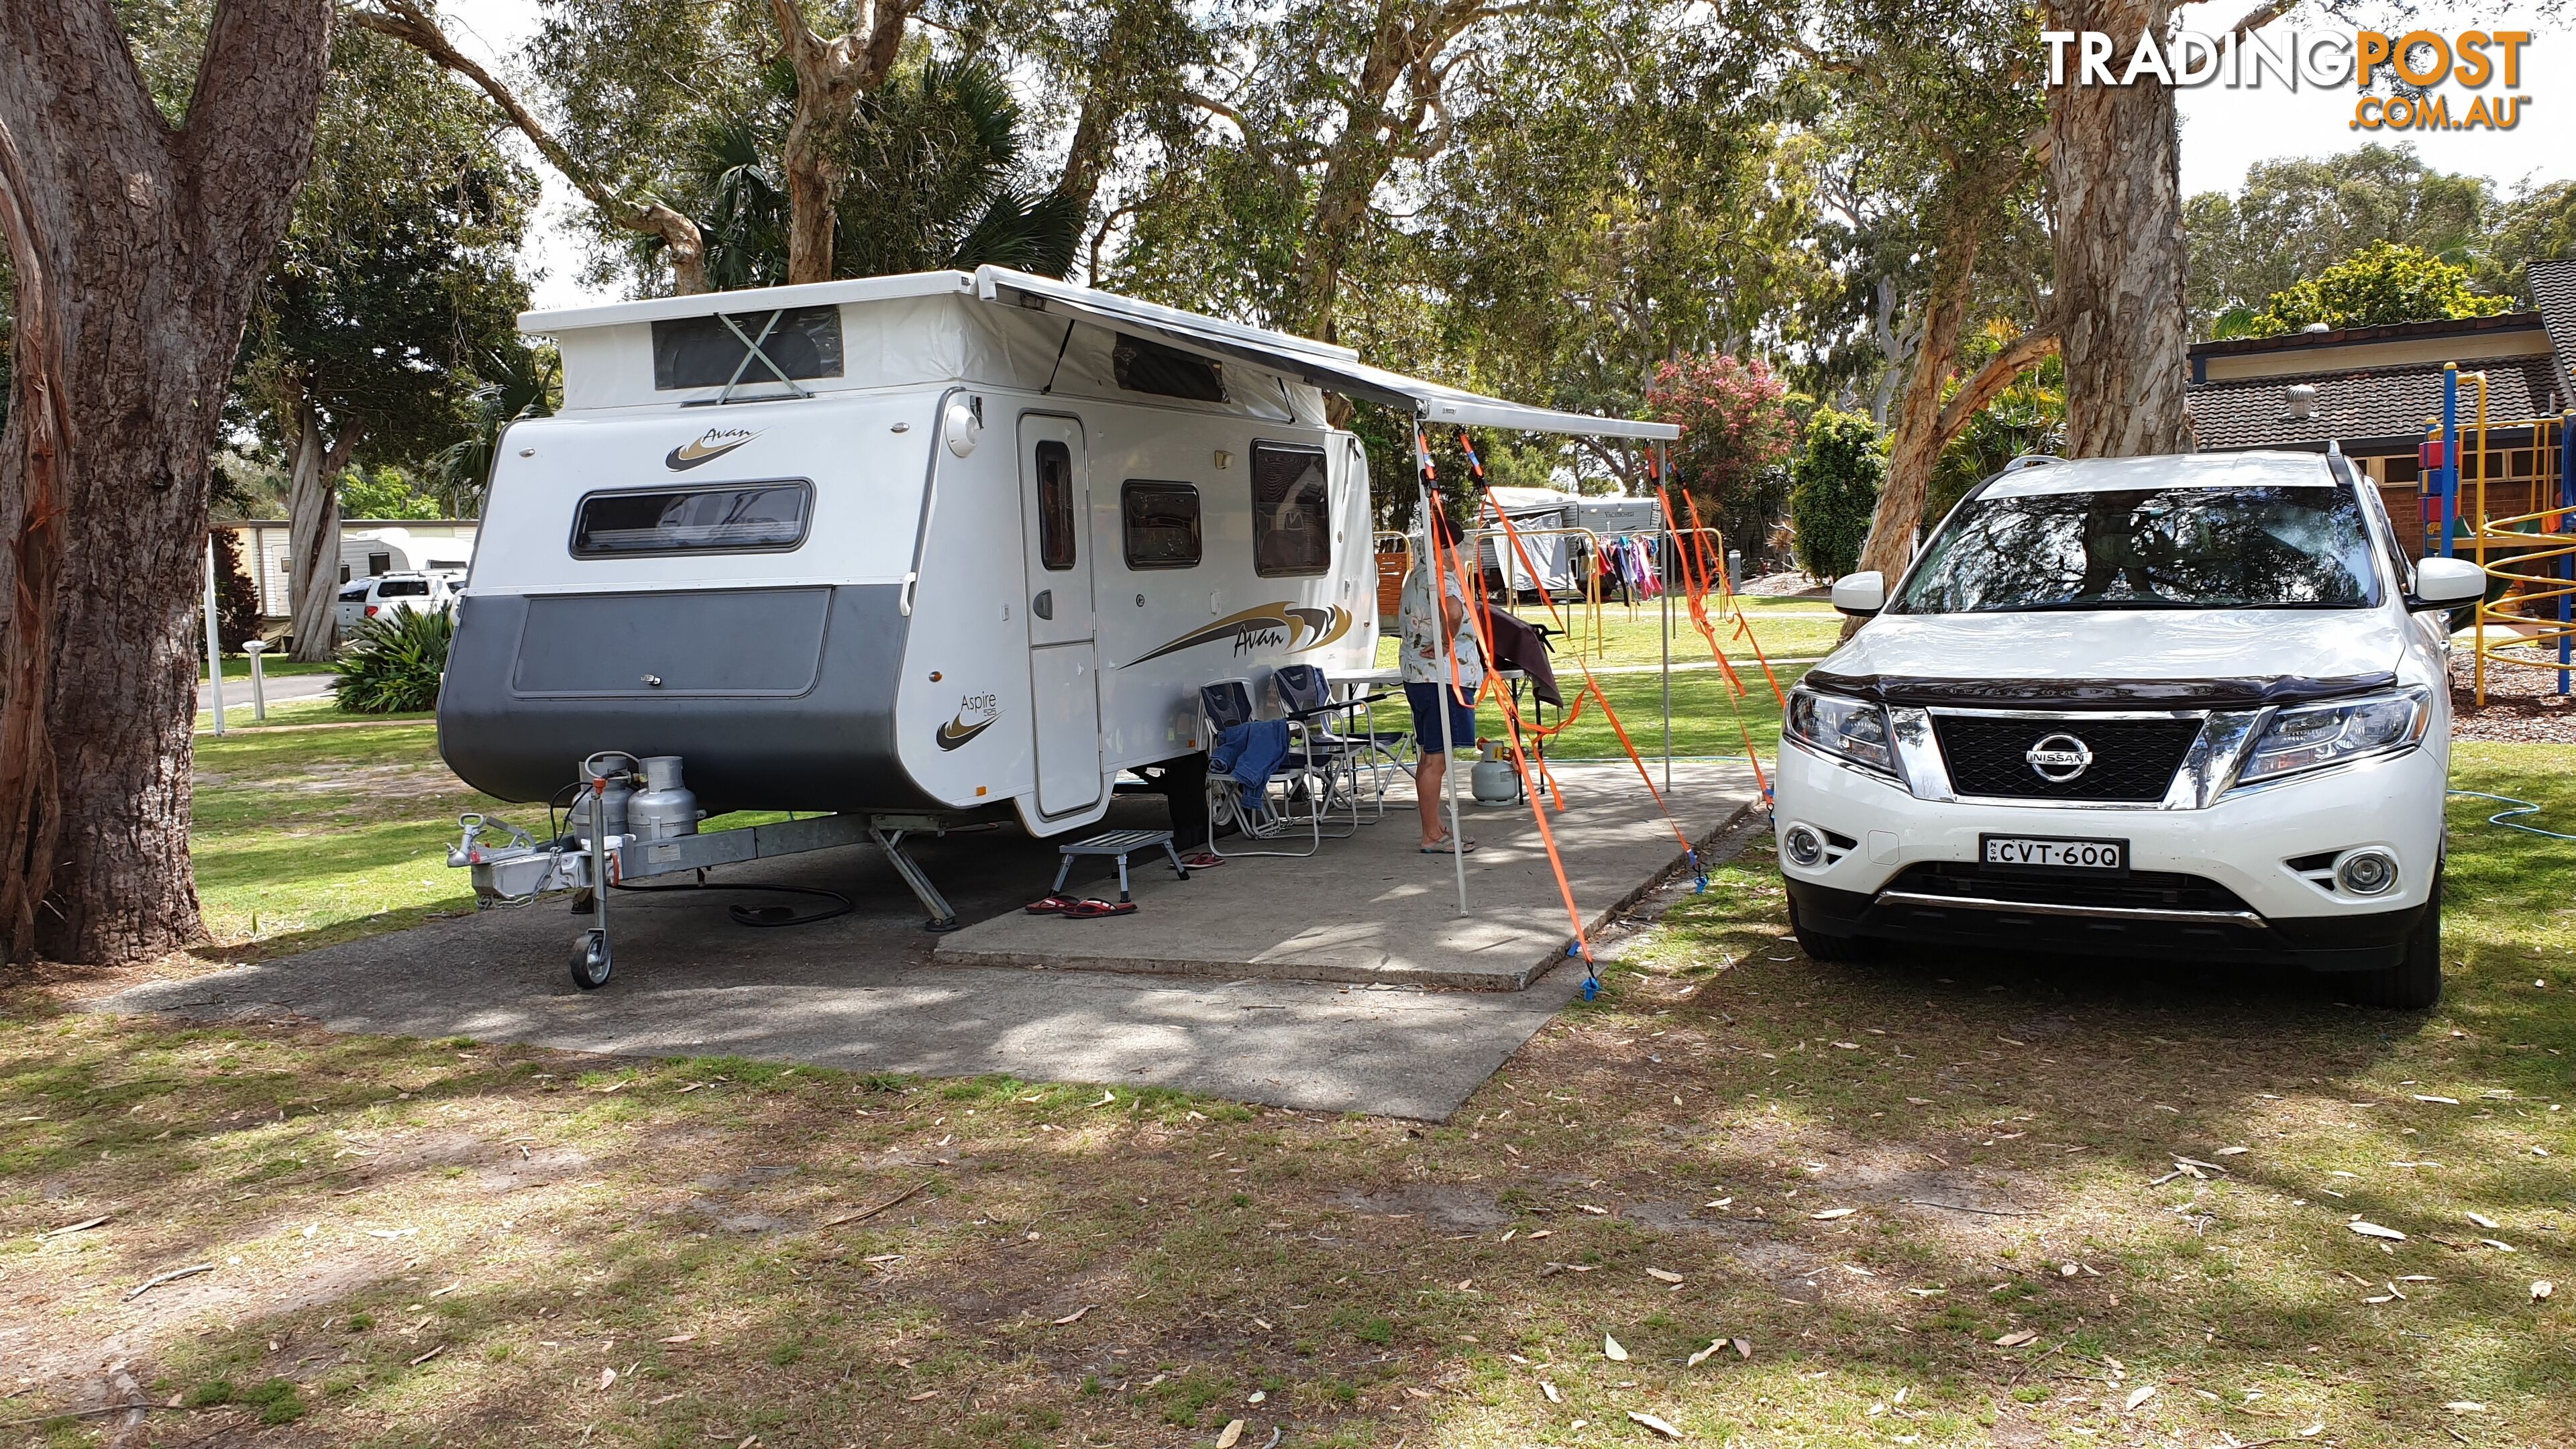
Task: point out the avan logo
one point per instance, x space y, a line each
975 714
706 448
1296 627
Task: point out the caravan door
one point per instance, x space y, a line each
1064 655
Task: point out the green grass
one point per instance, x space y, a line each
1634 640
1133 1272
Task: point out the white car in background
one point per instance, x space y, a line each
2176 708
364 599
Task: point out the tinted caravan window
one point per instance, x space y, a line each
703 352
737 518
1143 365
1161 521
1056 533
1292 515
403 589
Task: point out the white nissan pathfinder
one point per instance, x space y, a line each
2164 707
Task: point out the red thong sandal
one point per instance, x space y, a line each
1094 908
1052 905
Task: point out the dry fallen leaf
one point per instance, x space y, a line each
1661 1275
681 1338
924 1394
607 1377
1611 1350
1702 1356
2482 1220
2374 1230
1831 1213
1744 1348
1549 1389
1076 1315
2233 1151
2465 1406
2016 1338
1233 1430
1651 1422
2445 1101
2139 1395
2499 1247
2541 1289
2313 1430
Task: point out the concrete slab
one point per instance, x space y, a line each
1373 908
865 992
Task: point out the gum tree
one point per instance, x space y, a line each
137 239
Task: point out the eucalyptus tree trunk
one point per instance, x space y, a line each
313 531
2114 167
145 242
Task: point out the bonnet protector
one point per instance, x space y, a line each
2098 693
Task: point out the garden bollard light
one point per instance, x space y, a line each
258 685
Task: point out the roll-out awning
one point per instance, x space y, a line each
1337 369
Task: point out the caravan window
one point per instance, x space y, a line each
740 518
1141 364
1292 514
703 352
1162 524
1056 532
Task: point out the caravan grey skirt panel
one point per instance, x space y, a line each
775 699
713 641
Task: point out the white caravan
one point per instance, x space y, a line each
919 545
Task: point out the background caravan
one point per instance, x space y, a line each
922 545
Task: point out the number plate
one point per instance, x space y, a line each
2042 852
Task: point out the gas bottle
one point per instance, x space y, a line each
1494 779
664 807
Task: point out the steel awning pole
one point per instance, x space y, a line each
1439 581
1663 590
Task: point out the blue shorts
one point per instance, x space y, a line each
1425 700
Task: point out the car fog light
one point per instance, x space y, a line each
1804 845
2367 872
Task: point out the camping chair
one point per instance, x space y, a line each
1307 696
1262 814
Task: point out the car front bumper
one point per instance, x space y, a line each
2217 883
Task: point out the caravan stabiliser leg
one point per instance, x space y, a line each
943 916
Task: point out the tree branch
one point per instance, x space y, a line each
2018 356
2261 15
406 21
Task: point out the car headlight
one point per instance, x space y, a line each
2318 735
1847 729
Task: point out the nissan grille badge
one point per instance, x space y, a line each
2059 758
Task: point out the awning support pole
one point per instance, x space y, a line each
1663 580
1439 581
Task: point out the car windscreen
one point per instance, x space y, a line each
2147 548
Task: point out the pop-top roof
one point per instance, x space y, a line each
1320 364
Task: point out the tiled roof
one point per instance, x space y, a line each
2553 287
2354 404
2462 327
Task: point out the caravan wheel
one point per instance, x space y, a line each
590 962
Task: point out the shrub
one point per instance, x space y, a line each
393 666
1736 431
1835 480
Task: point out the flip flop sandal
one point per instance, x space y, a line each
1203 860
1095 908
1052 905
1443 849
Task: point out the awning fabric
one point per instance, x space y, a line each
1318 363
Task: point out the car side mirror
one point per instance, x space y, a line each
2445 583
1861 595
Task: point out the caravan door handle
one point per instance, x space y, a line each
1044 604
